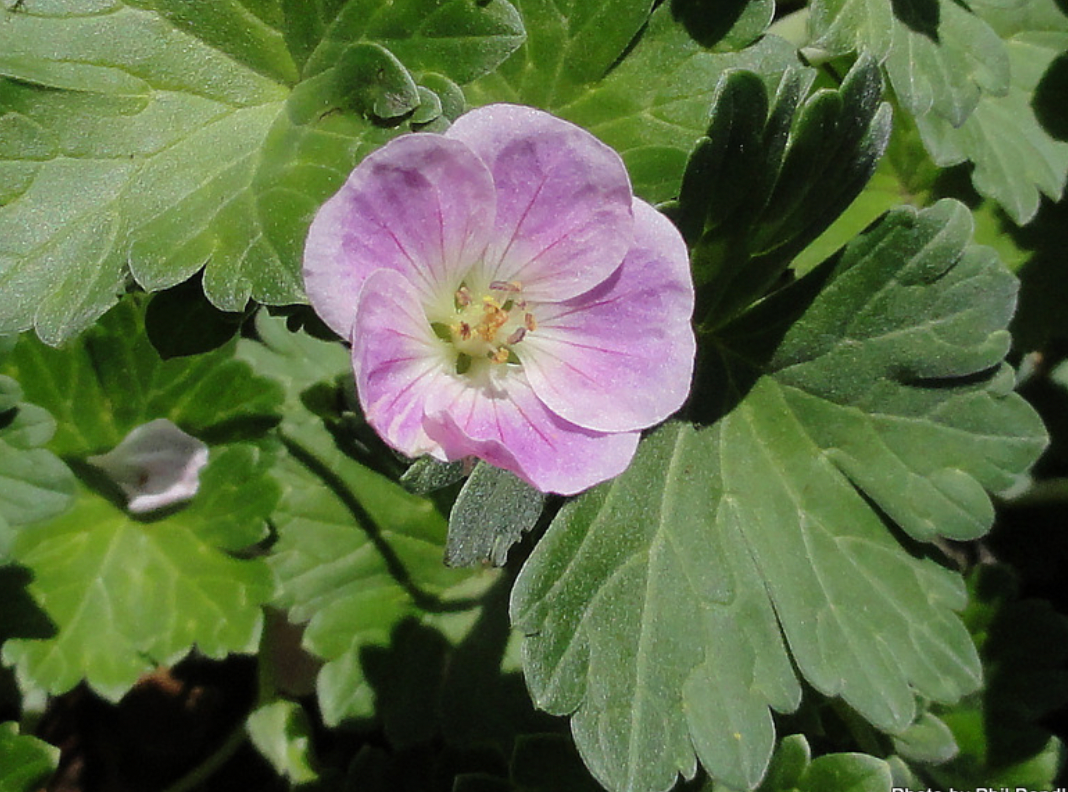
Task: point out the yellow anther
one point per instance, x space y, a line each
530 323
463 297
500 356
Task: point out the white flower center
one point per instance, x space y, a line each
482 328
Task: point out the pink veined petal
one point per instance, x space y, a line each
398 362
620 357
422 205
515 431
563 220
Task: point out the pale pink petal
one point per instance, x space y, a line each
620 356
157 465
421 205
397 360
512 429
563 219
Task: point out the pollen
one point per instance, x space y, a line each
485 324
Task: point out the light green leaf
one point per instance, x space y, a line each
651 108
845 25
25 761
659 607
357 555
1017 159
927 740
128 593
281 732
177 139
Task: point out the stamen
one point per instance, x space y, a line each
500 356
530 323
506 286
463 297
517 335
465 331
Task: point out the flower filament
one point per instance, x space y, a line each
484 329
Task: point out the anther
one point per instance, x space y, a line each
506 286
530 323
517 335
500 356
463 297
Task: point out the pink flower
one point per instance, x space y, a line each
507 297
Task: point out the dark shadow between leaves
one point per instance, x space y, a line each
21 617
920 16
708 21
448 711
739 353
1051 96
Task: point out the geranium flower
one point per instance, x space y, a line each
507 297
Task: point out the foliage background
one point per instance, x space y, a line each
803 581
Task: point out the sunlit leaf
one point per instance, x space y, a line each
667 610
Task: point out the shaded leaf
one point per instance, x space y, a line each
281 732
356 554
651 108
659 607
771 175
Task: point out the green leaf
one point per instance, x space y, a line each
25 761
926 740
126 594
356 554
1023 644
281 732
846 773
1017 155
660 608
940 56
651 108
34 482
464 39
490 514
173 140
771 175
724 24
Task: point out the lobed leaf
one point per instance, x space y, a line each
666 611
172 140
1019 154
123 593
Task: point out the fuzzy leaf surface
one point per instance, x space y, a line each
666 610
170 140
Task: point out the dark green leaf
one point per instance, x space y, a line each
771 175
724 24
491 513
659 607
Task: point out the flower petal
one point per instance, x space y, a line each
156 465
620 356
397 360
563 220
513 430
421 205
